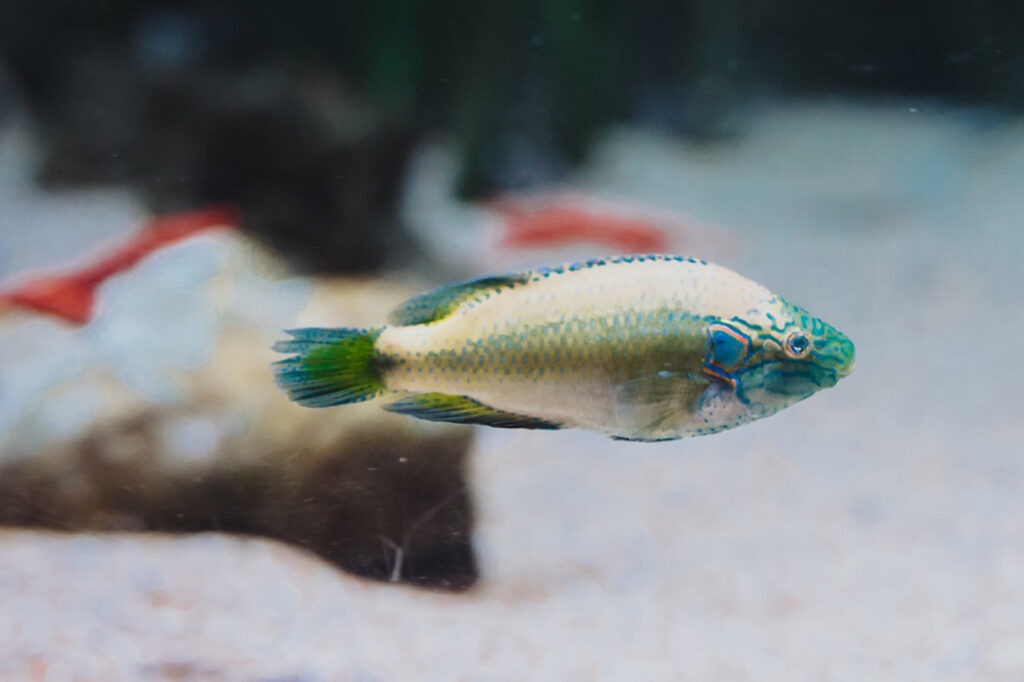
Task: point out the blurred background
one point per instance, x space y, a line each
181 181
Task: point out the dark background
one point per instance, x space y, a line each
304 113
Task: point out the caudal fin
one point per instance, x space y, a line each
329 366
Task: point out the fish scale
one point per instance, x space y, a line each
644 348
600 326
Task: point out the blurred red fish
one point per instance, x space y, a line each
566 219
518 230
72 296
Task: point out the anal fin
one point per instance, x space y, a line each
458 409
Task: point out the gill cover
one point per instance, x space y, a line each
727 350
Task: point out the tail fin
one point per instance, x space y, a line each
331 366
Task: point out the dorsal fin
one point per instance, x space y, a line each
441 302
458 409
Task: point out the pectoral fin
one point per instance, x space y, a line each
458 409
654 407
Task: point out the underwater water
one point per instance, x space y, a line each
167 513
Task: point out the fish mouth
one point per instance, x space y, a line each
796 378
837 354
848 357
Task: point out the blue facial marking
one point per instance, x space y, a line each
728 347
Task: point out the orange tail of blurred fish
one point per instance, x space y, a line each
72 296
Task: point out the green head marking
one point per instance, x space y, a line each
802 354
773 362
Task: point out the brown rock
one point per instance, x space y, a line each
375 493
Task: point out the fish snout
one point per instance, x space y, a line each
844 355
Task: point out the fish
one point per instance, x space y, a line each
71 296
640 348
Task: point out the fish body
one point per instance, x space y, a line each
637 347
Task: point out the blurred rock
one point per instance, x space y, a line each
161 414
314 168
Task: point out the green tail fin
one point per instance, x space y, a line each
330 366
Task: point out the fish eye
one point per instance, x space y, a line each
797 344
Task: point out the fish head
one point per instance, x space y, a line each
777 355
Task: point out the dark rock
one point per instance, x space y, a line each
314 169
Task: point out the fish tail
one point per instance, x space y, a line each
330 366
